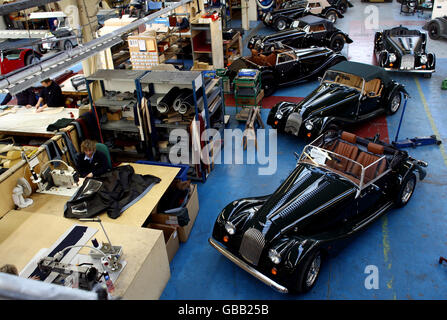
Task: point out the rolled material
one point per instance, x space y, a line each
188 102
166 102
178 101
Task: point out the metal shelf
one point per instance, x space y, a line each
120 125
107 102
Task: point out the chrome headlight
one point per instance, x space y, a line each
268 17
424 59
274 256
309 125
393 57
279 116
230 228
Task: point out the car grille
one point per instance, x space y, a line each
293 123
251 246
407 62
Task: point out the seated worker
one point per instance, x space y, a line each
25 98
51 95
91 162
182 23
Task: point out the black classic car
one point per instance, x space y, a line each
349 93
308 31
286 66
404 50
341 184
437 28
341 5
281 19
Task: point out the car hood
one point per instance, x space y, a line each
326 99
307 190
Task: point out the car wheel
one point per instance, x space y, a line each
280 24
406 190
343 7
41 49
337 43
331 16
434 30
31 58
68 45
394 103
308 274
268 83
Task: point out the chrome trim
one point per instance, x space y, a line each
246 267
411 70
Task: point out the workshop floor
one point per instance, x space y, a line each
404 244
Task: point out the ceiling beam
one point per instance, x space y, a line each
22 5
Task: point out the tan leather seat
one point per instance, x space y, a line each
344 149
271 59
367 158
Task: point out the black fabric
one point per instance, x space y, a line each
365 71
59 124
98 166
23 98
173 203
118 188
89 120
52 95
169 98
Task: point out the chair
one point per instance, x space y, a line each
103 148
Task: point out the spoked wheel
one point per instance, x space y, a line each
280 24
337 43
308 275
68 45
434 30
395 103
406 190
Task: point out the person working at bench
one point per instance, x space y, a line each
25 98
182 23
91 162
51 95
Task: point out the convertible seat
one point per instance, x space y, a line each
367 158
373 86
347 149
271 59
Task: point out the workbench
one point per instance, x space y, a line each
23 234
136 215
26 122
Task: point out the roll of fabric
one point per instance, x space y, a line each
178 101
188 102
166 103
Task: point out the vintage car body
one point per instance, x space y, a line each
341 5
349 93
13 59
404 50
61 39
287 66
437 28
281 19
308 31
341 184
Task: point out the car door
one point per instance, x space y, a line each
371 95
316 34
287 67
11 61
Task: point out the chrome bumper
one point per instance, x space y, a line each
410 70
246 267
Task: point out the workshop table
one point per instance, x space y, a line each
136 215
23 234
25 122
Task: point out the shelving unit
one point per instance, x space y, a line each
248 93
209 107
131 127
207 44
232 48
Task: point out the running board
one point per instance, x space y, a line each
378 213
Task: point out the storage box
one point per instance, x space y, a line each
114 116
193 210
171 238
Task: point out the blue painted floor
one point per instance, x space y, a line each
405 244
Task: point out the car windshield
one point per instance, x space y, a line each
362 171
345 79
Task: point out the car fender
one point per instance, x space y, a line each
298 252
397 87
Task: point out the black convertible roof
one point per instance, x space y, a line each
311 20
365 71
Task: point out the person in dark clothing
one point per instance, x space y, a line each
182 23
91 162
51 95
25 98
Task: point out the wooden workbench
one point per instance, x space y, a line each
145 276
136 215
28 123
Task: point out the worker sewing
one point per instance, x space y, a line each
25 98
182 23
91 162
51 95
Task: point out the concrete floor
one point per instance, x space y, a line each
405 244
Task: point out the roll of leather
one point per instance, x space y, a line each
166 103
188 102
182 95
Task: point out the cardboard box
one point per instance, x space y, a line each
114 116
193 210
171 238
